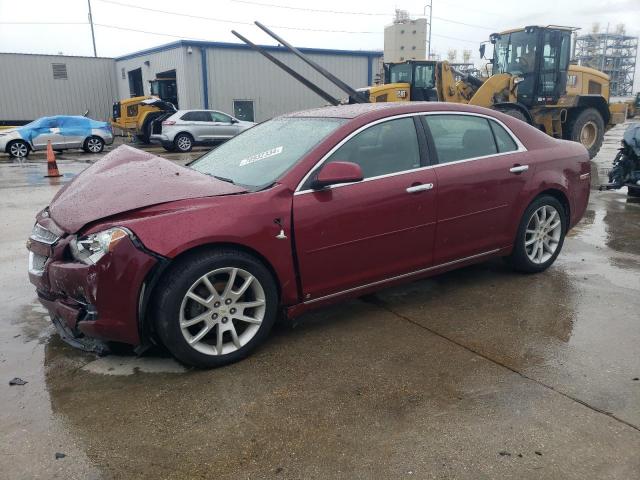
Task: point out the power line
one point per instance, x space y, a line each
44 23
345 12
117 27
234 22
317 10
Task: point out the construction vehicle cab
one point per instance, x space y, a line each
566 101
413 80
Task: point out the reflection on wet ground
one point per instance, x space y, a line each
478 373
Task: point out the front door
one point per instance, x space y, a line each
48 129
481 171
355 234
223 126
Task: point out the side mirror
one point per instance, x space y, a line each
233 120
482 48
337 172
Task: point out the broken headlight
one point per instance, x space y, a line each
91 248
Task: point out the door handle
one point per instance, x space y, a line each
519 168
420 188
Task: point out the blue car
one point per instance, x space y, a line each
62 130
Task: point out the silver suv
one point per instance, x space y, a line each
181 130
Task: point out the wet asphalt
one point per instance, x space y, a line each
479 373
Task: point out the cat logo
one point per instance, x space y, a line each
401 94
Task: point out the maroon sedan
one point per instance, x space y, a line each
297 212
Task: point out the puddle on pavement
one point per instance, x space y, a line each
118 365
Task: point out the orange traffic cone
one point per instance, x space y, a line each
52 166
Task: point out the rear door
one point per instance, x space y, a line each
351 235
75 130
198 123
481 170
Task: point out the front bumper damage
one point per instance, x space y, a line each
89 304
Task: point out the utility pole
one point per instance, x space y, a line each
430 7
93 35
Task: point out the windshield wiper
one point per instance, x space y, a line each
224 179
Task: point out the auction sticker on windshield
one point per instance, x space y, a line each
260 156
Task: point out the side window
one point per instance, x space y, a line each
387 147
197 116
504 141
458 137
220 117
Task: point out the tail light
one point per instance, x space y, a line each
168 122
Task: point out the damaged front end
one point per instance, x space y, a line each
626 166
89 284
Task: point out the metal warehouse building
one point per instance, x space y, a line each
33 86
224 76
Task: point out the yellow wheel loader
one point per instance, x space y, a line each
135 115
532 79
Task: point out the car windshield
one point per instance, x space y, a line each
259 156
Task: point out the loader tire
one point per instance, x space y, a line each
515 113
587 128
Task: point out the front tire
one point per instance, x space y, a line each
183 142
587 128
633 191
93 144
214 308
515 113
18 149
540 235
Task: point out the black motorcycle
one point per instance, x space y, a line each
626 165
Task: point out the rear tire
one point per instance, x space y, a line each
633 191
18 149
229 323
537 246
183 142
587 128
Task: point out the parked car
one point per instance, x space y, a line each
298 212
63 131
181 130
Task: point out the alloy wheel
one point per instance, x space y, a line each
94 145
18 150
543 234
222 311
184 143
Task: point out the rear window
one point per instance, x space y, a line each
260 155
461 137
504 141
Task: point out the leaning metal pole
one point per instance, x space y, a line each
353 94
293 73
93 35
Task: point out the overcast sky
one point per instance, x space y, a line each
116 19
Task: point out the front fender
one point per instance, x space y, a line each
245 220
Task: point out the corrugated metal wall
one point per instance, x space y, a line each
236 74
28 89
186 65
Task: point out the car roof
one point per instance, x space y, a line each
387 109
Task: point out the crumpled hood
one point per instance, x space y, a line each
128 179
